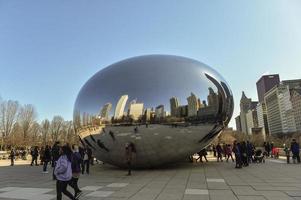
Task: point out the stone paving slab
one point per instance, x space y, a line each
273 180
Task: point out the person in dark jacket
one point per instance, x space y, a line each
219 151
12 157
295 148
76 170
55 152
129 150
237 152
34 156
46 158
244 153
203 153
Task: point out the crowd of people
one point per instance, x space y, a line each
245 152
68 162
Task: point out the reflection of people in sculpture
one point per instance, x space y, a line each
129 150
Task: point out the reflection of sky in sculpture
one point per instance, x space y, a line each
152 80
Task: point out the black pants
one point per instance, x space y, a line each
74 184
45 166
12 161
34 160
61 187
219 157
287 159
129 167
228 156
238 161
53 175
86 166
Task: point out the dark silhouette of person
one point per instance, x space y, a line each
34 156
12 157
295 148
129 150
55 153
219 151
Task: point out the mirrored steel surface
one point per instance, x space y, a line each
169 107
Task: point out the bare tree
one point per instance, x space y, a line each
8 116
35 133
27 117
56 127
45 127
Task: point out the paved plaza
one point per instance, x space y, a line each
273 180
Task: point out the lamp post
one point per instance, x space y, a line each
2 140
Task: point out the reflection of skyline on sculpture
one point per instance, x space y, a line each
194 108
168 106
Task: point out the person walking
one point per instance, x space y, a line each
55 153
63 173
34 156
244 154
86 165
295 148
203 153
287 153
76 170
42 152
12 157
229 153
46 158
214 150
129 150
219 151
237 153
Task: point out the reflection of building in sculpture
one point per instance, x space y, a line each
104 113
135 110
183 111
208 111
174 105
119 111
148 113
212 98
192 105
159 112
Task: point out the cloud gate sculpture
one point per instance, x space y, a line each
169 107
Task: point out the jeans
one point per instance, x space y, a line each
86 165
45 166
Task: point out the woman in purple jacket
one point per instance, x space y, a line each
63 173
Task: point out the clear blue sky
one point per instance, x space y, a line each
49 49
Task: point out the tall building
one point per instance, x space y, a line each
292 84
104 113
279 110
262 118
246 104
265 83
174 105
296 103
119 111
238 123
159 112
136 110
192 105
252 121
